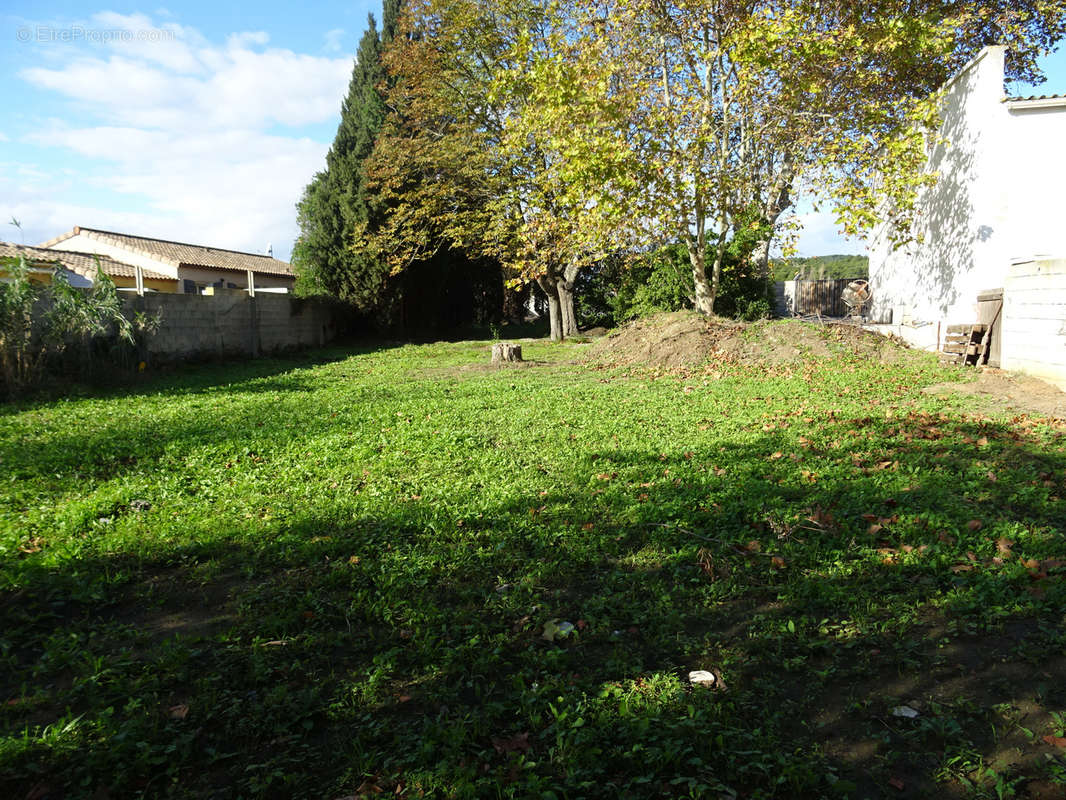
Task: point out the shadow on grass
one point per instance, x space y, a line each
404 652
201 377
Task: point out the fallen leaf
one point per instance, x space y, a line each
777 455
178 712
778 562
974 525
896 784
554 629
1004 545
404 698
957 568
1055 741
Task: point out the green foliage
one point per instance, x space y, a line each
329 576
336 202
38 323
613 292
819 267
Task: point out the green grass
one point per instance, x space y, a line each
348 562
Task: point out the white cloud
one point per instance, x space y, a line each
332 39
193 130
3 137
185 83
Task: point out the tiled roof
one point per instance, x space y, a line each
1036 102
177 253
81 263
1038 97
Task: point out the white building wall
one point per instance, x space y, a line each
963 241
84 243
1035 153
1034 319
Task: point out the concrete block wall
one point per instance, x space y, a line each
1034 319
230 323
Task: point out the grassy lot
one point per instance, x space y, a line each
341 576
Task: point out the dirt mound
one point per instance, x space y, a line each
684 340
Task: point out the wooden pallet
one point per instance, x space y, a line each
965 344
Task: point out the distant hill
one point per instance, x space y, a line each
815 267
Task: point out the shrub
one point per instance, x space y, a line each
39 323
612 293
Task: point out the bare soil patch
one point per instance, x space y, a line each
180 607
996 391
684 340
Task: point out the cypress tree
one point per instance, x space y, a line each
335 201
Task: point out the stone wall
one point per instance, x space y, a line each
230 323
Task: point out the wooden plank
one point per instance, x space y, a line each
1031 328
966 328
988 314
968 349
1024 284
822 297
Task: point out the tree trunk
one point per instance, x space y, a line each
780 200
505 351
565 286
761 256
554 310
704 290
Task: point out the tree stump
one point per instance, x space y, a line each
505 351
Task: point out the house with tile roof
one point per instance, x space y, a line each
81 269
997 201
184 268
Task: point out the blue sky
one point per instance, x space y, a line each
199 123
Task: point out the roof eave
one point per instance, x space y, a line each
275 273
61 238
1036 104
